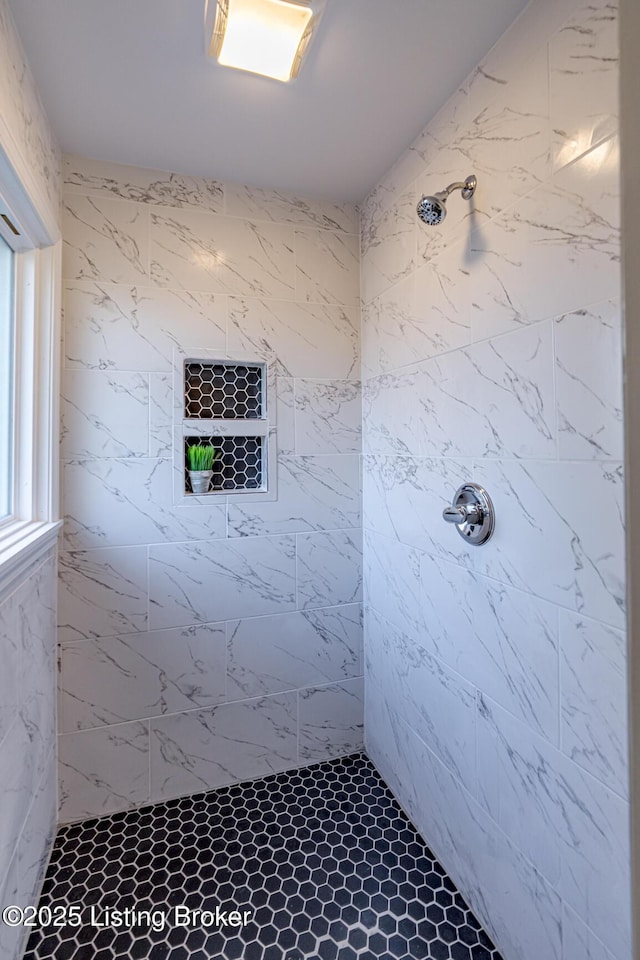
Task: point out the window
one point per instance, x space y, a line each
29 360
7 320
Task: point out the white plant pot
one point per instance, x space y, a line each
200 480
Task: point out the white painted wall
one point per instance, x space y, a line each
495 676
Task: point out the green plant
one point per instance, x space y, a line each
202 457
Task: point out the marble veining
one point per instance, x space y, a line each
314 493
329 568
168 607
115 503
104 239
194 250
328 416
583 80
25 117
259 204
593 684
331 715
113 679
293 650
109 326
301 339
491 351
209 580
201 750
104 414
95 178
573 828
588 351
103 770
326 267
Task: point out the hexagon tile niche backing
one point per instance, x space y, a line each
323 858
222 391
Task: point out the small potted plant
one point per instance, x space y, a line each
201 459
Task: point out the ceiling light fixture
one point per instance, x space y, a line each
269 37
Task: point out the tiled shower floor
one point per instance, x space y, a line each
323 858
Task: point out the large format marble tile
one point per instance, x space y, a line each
574 830
161 408
392 582
20 776
194 250
205 749
329 568
512 384
594 698
104 414
504 641
583 80
102 592
105 239
293 650
405 497
112 503
109 326
36 839
388 246
327 267
155 187
499 883
567 229
285 417
331 720
502 136
12 655
328 416
314 493
36 609
574 555
436 703
211 580
578 941
12 939
113 679
302 339
393 419
588 351
254 203
489 399
103 770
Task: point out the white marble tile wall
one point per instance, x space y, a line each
27 740
30 145
28 769
492 352
204 644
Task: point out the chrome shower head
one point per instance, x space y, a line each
433 210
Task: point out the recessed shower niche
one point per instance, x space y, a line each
225 404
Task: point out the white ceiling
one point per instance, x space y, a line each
128 81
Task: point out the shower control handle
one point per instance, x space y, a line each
472 513
466 513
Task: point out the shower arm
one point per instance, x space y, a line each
466 187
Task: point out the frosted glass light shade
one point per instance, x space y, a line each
268 37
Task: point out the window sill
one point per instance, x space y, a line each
21 547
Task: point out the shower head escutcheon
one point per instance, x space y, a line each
433 210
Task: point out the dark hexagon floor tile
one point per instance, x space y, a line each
323 859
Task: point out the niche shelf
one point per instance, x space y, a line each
239 465
226 403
